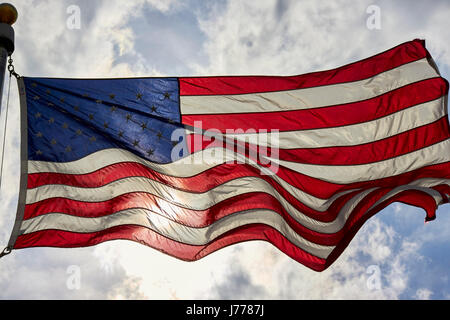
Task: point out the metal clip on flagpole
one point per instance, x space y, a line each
8 15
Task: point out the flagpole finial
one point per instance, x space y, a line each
8 13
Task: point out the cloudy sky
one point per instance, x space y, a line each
394 256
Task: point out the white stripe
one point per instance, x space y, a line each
431 155
173 230
349 135
195 201
107 157
307 98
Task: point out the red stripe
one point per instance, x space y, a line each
387 148
325 117
392 58
64 239
111 173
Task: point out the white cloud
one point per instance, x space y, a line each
259 271
50 48
281 37
423 294
44 274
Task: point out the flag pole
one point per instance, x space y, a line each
8 15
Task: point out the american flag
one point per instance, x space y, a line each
191 165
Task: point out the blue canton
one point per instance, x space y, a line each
69 119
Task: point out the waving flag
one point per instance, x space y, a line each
191 165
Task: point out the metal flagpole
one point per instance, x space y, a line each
8 15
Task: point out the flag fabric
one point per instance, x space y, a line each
191 165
